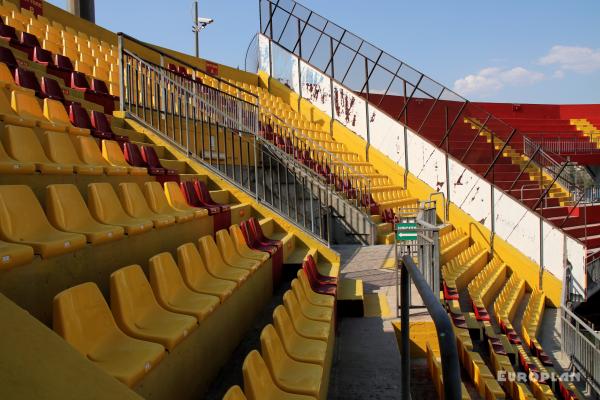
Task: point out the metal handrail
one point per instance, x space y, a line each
161 71
582 344
446 338
180 61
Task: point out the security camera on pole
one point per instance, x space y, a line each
199 24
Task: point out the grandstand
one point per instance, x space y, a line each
175 228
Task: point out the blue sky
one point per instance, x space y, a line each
536 51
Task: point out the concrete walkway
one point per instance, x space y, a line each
367 359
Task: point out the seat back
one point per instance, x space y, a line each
291 304
21 214
88 150
27 79
66 208
51 88
26 105
113 154
133 200
226 246
165 277
42 56
299 292
55 111
258 382
150 157
8 32
6 77
131 296
79 80
29 40
202 190
100 122
99 85
235 393
236 235
190 194
23 145
283 323
132 154
4 157
7 57
63 62
190 264
79 116
156 198
272 349
175 195
104 203
210 253
60 149
82 317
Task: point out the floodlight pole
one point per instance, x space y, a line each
196 30
82 8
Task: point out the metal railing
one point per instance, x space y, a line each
390 85
582 345
220 131
566 145
446 338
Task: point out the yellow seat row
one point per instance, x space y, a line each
435 369
296 350
148 315
488 282
69 223
462 268
507 302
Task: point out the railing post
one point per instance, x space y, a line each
405 330
121 72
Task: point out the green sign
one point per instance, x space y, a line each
406 231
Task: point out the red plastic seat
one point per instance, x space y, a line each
315 284
133 156
368 202
80 118
8 58
52 90
27 79
324 279
63 63
29 40
258 234
101 127
253 242
79 82
151 158
61 67
42 56
204 194
193 198
99 86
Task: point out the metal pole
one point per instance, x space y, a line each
121 74
404 328
83 8
196 29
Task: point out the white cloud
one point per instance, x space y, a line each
573 58
491 80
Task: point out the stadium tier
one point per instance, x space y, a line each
158 212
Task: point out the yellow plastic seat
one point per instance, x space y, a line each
237 236
113 154
60 150
230 254
138 313
196 276
158 203
235 393
89 152
9 116
67 211
298 347
82 317
22 220
315 298
28 108
55 113
12 254
172 293
290 375
215 264
307 327
135 205
258 383
177 200
23 145
11 166
84 67
106 208
6 79
318 313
